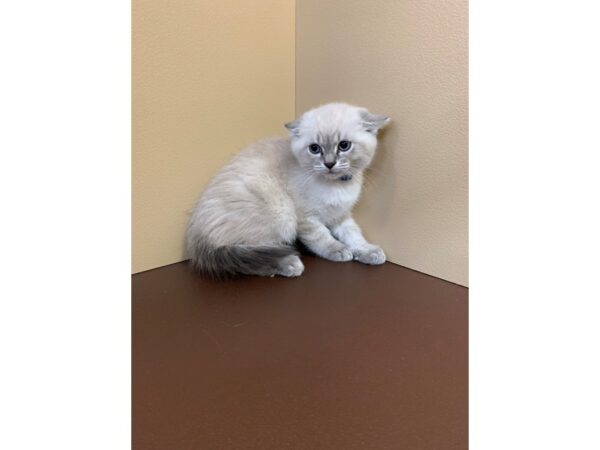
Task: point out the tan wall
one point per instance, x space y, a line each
408 59
208 78
212 76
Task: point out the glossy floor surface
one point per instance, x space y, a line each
346 356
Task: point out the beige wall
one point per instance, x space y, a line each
408 59
208 78
211 76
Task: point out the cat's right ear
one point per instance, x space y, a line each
293 128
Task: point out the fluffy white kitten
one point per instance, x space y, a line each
278 190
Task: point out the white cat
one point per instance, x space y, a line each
278 190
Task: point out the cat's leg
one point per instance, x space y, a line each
349 233
319 240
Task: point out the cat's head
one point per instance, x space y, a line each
335 139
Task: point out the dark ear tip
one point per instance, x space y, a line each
292 127
294 124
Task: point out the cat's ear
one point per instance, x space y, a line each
373 122
293 128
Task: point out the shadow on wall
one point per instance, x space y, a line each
380 177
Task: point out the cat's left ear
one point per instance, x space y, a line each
373 122
293 128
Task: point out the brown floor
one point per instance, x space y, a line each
345 357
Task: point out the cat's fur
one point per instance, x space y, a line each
276 191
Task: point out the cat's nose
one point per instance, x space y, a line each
329 165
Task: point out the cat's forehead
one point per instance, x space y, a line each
329 138
332 122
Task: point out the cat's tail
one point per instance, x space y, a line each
222 262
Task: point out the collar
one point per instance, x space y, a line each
346 177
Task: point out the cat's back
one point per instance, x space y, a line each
249 197
266 155
260 163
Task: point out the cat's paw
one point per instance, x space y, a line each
370 255
339 255
290 266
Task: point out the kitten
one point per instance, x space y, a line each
278 190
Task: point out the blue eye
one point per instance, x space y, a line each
315 149
344 146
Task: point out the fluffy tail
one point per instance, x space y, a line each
231 260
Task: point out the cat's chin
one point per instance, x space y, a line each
332 176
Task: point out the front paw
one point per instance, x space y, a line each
339 254
370 255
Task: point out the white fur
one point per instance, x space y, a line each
275 190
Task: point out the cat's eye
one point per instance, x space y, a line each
315 149
344 146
